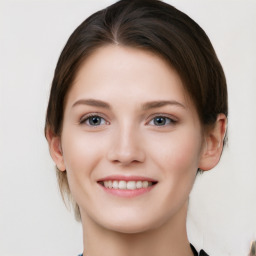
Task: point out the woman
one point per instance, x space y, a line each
138 106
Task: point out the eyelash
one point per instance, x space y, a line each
86 118
170 120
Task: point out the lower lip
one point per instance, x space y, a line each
127 192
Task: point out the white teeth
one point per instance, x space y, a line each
122 184
144 184
108 184
130 185
139 184
115 184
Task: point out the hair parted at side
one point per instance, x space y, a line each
149 25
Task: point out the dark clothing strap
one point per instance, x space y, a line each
201 253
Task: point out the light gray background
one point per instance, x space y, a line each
33 219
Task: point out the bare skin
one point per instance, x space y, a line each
127 117
170 239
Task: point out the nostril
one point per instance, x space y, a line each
126 161
126 153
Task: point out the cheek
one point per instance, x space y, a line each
175 157
81 153
186 154
177 154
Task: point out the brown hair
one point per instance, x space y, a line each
150 25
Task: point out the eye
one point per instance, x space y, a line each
93 120
162 121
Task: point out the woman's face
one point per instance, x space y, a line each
131 140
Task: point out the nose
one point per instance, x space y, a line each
126 147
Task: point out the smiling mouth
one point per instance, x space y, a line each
126 185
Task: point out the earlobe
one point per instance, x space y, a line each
54 143
213 144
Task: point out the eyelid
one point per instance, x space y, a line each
150 118
171 117
83 119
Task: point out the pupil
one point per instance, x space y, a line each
95 120
159 121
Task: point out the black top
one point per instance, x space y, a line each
201 253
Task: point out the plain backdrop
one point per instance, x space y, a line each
33 218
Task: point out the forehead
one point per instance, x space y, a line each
116 72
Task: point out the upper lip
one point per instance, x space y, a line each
127 178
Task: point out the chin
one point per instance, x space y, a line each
131 224
130 228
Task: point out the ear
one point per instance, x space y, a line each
213 144
54 143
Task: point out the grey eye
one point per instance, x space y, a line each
160 121
95 121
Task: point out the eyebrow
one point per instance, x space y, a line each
92 102
145 106
161 103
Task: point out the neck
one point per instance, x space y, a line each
169 239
